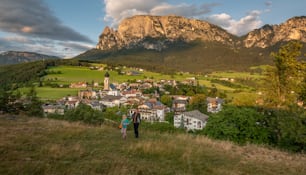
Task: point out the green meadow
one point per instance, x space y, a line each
71 74
236 75
65 75
48 93
36 146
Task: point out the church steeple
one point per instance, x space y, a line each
106 81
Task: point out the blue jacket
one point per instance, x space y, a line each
125 123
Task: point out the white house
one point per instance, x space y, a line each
152 110
112 90
72 104
192 120
87 94
179 106
131 93
112 101
53 109
214 105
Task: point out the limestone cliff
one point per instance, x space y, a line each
156 32
159 32
268 35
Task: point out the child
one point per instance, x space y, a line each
124 122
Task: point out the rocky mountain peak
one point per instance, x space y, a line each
292 29
158 32
155 32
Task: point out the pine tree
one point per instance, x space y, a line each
283 80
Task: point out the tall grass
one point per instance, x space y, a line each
45 146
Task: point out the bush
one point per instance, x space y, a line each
85 114
161 127
241 125
288 129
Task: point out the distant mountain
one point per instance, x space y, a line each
269 35
178 43
15 57
158 32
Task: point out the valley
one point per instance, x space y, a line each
214 87
56 86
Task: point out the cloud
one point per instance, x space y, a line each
268 3
237 27
74 46
187 10
34 18
118 10
44 46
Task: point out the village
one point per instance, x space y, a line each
131 95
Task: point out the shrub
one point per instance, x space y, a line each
85 114
240 125
288 129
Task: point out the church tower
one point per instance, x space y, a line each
106 81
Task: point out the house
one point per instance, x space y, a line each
133 73
96 84
112 90
72 104
78 85
179 105
131 93
87 94
152 110
214 105
133 101
192 120
146 86
134 85
112 101
190 81
94 104
53 109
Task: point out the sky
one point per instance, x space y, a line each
67 28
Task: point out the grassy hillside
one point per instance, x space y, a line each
194 57
74 74
71 74
44 146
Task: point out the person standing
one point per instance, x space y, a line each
124 123
136 121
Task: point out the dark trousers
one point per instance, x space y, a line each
136 129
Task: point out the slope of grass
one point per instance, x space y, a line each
44 146
74 74
48 93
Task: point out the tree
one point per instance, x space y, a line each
198 102
84 113
33 106
287 128
283 80
166 100
213 91
170 117
240 125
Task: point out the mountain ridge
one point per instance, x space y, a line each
157 32
181 44
15 57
